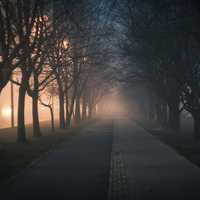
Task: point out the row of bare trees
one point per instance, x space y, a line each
56 49
161 42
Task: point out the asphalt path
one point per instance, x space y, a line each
77 170
113 159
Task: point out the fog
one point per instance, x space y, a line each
5 108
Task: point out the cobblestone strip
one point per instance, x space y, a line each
118 184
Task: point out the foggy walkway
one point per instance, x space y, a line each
77 170
153 170
142 168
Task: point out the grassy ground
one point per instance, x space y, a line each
182 142
14 157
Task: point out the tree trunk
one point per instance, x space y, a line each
52 119
158 111
71 106
164 114
84 108
94 110
77 111
36 123
196 117
68 122
152 113
174 117
21 131
89 110
12 105
152 102
67 111
61 109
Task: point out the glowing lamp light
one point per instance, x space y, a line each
65 44
6 111
85 59
1 59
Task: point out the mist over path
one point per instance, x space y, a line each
111 159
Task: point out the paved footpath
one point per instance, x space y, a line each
148 169
77 170
100 163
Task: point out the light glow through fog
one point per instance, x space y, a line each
6 111
112 105
5 108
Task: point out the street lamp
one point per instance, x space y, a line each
85 59
65 43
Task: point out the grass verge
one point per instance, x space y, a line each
14 157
